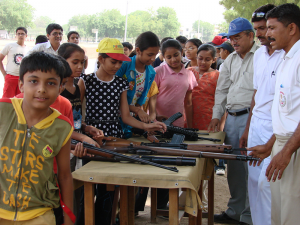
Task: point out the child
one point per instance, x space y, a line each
225 50
191 47
140 74
38 134
106 97
175 84
15 52
204 93
127 48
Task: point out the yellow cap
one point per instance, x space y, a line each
113 48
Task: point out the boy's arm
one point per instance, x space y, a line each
65 179
1 64
188 107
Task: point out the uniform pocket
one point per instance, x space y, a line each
247 81
285 103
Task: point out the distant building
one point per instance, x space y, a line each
3 34
187 32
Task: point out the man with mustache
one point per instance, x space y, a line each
284 32
54 35
234 93
266 61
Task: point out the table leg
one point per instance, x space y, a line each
199 216
131 204
124 205
173 206
153 204
89 206
192 220
211 191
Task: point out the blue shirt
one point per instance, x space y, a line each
128 72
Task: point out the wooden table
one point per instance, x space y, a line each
128 176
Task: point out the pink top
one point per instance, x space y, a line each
172 90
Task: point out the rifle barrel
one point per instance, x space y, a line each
110 154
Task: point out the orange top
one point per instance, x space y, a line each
204 98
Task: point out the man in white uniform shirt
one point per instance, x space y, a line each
54 35
283 31
234 93
266 61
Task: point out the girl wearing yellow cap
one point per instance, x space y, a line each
106 93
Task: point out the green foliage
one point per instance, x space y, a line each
245 8
110 23
223 27
43 22
15 13
169 22
208 30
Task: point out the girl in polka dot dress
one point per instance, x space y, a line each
106 94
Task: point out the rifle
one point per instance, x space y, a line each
190 133
112 154
145 150
118 142
177 161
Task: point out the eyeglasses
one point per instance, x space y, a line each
21 34
57 34
258 15
236 38
190 48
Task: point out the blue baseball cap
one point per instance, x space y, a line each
238 25
226 46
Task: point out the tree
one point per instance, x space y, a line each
223 27
169 22
245 8
208 30
15 13
43 22
134 26
83 23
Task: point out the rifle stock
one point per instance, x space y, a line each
118 142
144 150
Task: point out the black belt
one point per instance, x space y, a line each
239 113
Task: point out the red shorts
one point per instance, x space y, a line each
11 86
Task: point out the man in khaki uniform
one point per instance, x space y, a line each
283 31
234 93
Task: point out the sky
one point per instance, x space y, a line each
188 11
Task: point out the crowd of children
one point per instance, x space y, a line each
44 106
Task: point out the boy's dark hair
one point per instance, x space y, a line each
72 32
213 51
21 28
67 49
41 39
195 41
182 39
264 10
165 39
104 55
127 45
68 71
53 26
146 40
286 14
42 61
171 43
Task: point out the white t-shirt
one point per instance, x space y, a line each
43 47
140 84
286 104
15 53
264 78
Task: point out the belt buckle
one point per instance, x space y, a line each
234 114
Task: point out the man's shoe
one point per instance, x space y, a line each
220 172
224 218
